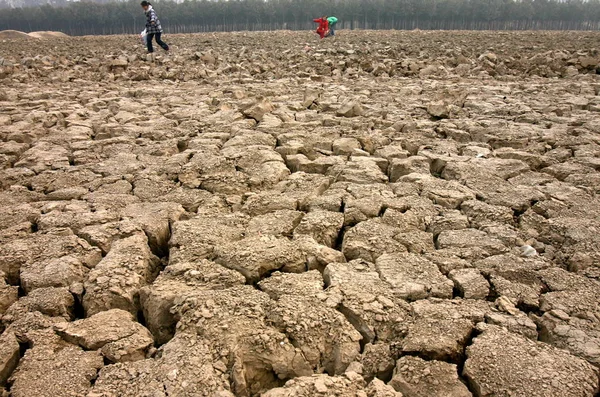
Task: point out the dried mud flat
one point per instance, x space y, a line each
387 214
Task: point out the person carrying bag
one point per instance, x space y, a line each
153 28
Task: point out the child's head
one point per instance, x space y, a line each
145 5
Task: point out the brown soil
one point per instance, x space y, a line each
12 35
375 215
48 35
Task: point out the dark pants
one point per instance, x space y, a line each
158 41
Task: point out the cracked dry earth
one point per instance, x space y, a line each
390 214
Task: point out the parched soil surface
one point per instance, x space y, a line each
384 214
46 35
13 35
17 35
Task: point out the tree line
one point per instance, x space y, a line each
87 18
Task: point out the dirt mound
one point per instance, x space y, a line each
48 35
13 34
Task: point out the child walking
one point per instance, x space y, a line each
323 28
153 27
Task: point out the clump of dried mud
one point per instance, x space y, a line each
383 214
